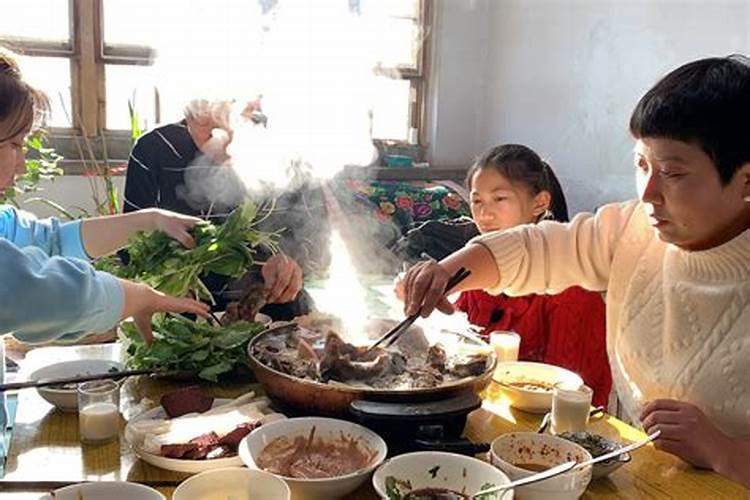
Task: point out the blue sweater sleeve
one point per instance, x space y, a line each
50 235
45 298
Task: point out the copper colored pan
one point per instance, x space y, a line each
311 397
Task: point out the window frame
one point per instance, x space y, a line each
88 56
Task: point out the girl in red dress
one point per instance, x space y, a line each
511 185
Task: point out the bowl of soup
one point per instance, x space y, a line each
528 385
319 458
434 475
521 454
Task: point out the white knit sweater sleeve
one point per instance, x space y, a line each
550 256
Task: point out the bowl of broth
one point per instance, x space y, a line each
529 385
319 458
521 454
433 475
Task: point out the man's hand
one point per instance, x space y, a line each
283 279
142 302
686 432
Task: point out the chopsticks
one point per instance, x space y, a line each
394 333
84 378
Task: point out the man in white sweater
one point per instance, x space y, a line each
675 265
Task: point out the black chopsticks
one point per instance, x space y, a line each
84 378
394 333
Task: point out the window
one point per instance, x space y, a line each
113 56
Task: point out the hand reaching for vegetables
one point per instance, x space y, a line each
176 226
283 279
142 302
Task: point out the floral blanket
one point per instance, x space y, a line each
380 212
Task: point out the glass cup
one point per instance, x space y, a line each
99 411
505 345
571 404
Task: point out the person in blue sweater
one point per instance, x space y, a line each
48 288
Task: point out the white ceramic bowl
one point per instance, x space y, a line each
67 399
542 449
326 428
111 490
534 401
435 469
234 482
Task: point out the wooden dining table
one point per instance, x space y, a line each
46 452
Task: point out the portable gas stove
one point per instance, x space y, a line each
431 425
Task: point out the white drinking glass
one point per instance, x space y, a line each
571 404
505 345
99 411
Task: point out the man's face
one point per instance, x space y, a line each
683 195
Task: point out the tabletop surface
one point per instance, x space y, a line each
46 453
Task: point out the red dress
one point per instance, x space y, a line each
567 329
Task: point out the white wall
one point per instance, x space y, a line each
563 76
70 191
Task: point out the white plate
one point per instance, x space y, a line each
111 490
177 464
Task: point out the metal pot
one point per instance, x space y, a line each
311 397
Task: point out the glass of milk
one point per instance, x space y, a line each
571 404
98 411
505 345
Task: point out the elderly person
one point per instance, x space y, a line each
675 264
179 167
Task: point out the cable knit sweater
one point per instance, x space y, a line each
678 322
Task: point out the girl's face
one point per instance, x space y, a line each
683 196
497 203
12 160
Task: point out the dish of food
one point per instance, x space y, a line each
411 363
434 475
197 441
65 396
598 445
529 385
522 454
304 449
309 457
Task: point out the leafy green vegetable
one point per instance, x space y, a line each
393 487
182 344
166 265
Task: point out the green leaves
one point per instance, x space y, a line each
182 344
164 264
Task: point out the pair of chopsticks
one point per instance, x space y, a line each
394 333
84 378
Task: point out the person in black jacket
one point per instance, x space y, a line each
179 167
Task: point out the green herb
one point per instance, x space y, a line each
163 263
433 472
393 487
488 496
196 346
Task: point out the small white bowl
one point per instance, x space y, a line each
67 399
435 469
531 447
233 482
325 428
111 490
534 401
